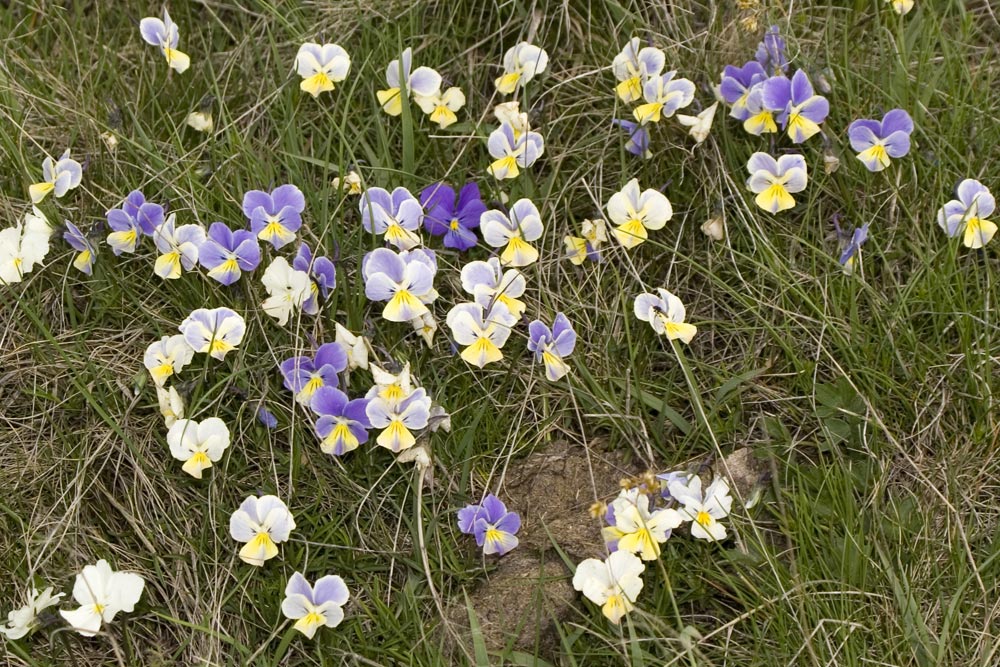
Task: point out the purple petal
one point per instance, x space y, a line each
333 355
537 330
897 144
255 199
331 588
149 217
776 93
329 401
383 260
221 234
356 411
461 239
509 523
896 120
863 133
467 517
288 196
494 508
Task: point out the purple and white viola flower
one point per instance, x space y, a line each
165 35
494 528
395 216
86 251
760 119
488 283
481 331
737 82
313 607
634 66
405 281
514 232
521 63
276 216
799 110
771 52
322 273
135 218
852 251
178 248
664 95
261 523
342 424
877 141
774 181
638 137
58 177
226 254
666 314
453 217
321 66
304 376
966 216
512 151
552 346
215 332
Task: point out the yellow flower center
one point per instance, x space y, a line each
704 518
454 224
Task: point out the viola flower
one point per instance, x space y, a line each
511 114
226 254
165 35
636 212
760 119
58 177
351 183
664 95
441 107
23 246
494 527
166 357
178 248
737 82
634 66
613 583
321 271
287 288
771 52
774 181
198 444
397 216
639 529
200 121
23 621
392 387
876 142
703 511
275 217
701 124
262 523
86 251
314 607
321 66
404 81
171 405
398 418
266 417
515 233
101 593
799 109
357 348
214 332
587 246
426 326
136 216
967 214
714 228
304 376
343 424
453 217
901 7
521 64
638 137
391 278
665 313
553 345
512 151
483 332
849 257
488 283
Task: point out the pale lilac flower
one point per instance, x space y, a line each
58 177
402 280
398 419
512 151
321 66
799 110
262 523
165 35
215 332
967 214
774 181
178 248
226 254
666 314
136 217
313 607
552 346
849 257
664 95
514 233
275 217
876 142
342 424
397 216
521 63
493 526
771 52
488 283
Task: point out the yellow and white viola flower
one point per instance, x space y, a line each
637 529
390 386
288 289
398 419
351 184
262 523
701 124
165 35
102 593
775 181
703 510
666 314
404 81
511 114
166 357
314 607
171 405
636 212
200 121
488 283
663 96
901 7
614 583
482 332
593 233
198 444
441 106
514 233
521 64
512 151
634 66
426 326
58 177
321 66
357 347
23 246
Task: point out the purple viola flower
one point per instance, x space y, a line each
147 216
799 109
494 527
275 217
84 261
303 375
551 346
226 254
610 534
321 271
343 424
852 251
771 52
876 141
737 82
638 137
266 417
451 217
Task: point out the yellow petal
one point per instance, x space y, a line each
391 101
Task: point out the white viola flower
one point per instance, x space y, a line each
165 35
639 529
288 289
390 386
171 405
200 121
714 228
198 444
664 95
665 313
101 593
215 331
482 332
23 246
321 66
351 183
357 347
261 523
521 64
426 326
178 247
512 151
634 66
58 177
166 357
613 583
487 282
701 124
441 106
403 81
21 622
313 607
636 212
511 114
514 233
703 510
398 419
